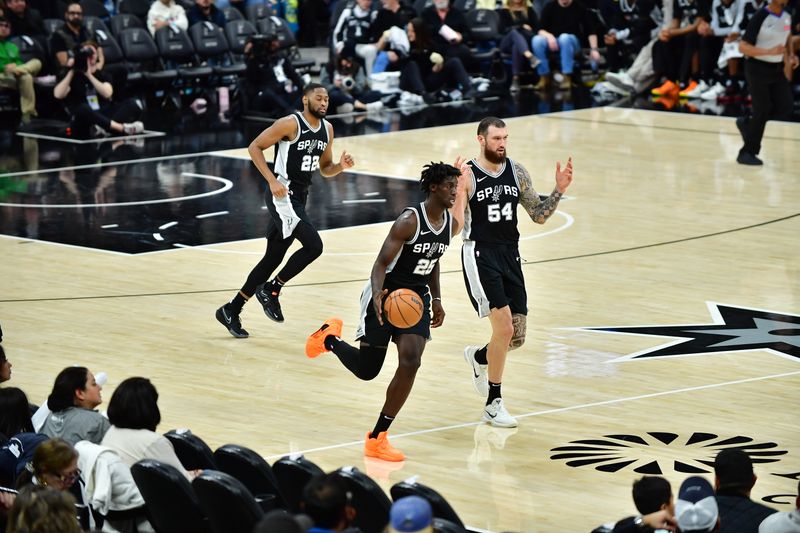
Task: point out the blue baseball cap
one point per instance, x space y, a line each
696 508
411 515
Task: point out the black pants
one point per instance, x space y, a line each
709 49
673 59
84 117
453 74
772 98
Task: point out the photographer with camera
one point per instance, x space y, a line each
272 85
347 85
87 93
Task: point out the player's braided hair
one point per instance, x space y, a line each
435 174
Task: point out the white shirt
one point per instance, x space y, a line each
172 13
133 445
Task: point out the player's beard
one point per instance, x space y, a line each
494 157
316 112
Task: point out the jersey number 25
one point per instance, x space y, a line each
425 266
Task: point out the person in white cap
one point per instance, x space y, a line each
696 508
788 522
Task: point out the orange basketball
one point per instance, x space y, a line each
403 308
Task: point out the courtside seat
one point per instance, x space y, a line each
139 49
230 507
252 470
211 45
292 473
256 12
172 506
441 508
123 21
191 450
370 502
177 51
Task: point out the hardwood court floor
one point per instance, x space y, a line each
660 225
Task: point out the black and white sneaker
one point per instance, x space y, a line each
272 307
231 322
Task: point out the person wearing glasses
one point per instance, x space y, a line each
67 38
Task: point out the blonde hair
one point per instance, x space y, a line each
43 510
52 456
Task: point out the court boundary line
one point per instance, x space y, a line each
551 411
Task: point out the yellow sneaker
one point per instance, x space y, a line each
315 345
380 448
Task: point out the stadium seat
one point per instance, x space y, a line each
287 42
231 14
93 23
135 7
172 506
177 52
237 32
256 12
230 507
211 45
124 21
370 502
251 469
441 508
484 29
292 473
192 451
51 25
440 525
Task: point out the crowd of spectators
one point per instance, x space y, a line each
409 53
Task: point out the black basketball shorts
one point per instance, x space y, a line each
285 214
371 332
493 276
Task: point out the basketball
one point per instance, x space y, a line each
403 308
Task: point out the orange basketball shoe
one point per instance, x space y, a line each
315 345
380 448
668 88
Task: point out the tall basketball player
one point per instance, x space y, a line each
304 145
490 256
409 258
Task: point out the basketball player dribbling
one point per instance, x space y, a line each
409 258
304 144
490 256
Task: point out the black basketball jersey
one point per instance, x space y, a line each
297 160
412 267
492 213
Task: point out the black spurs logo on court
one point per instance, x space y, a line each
734 329
654 453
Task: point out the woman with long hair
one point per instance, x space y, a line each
72 403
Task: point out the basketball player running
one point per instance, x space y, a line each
304 144
490 256
409 258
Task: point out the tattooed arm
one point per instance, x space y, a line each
540 210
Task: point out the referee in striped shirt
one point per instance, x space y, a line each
764 45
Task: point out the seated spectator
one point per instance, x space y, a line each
388 33
72 402
564 25
652 496
15 413
43 510
427 71
17 75
205 11
54 465
87 94
5 366
721 34
447 27
518 23
165 13
629 24
352 35
66 39
15 454
348 88
788 522
134 415
734 479
271 84
675 48
696 510
24 19
411 514
326 502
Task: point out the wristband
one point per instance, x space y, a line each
436 298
